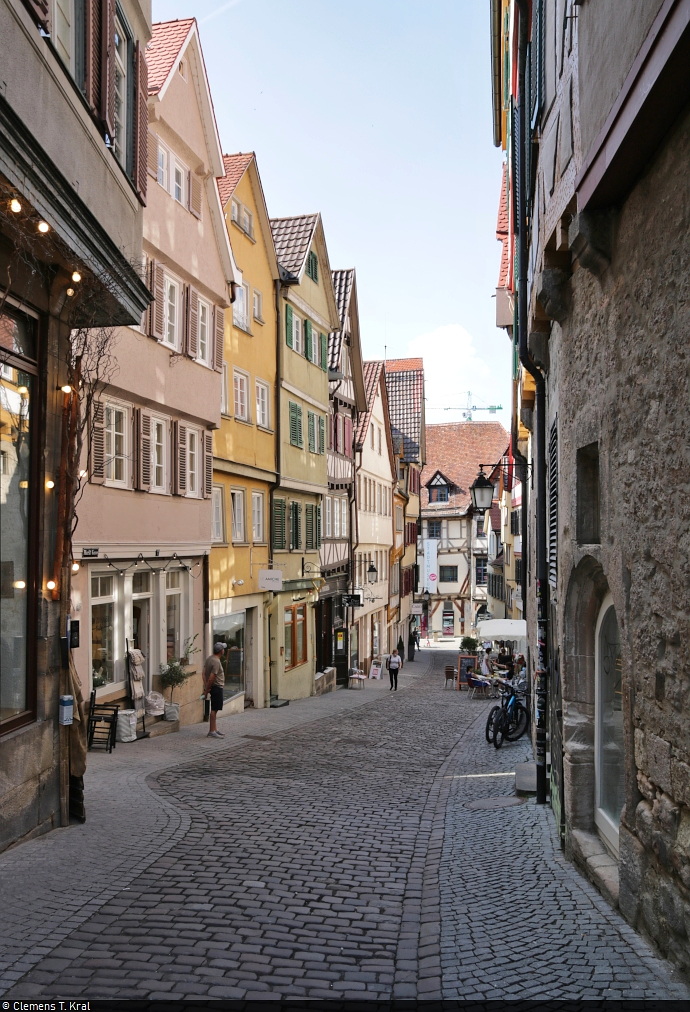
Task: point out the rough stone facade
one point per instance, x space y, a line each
619 377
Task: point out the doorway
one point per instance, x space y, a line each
608 731
141 632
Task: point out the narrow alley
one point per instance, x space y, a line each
344 846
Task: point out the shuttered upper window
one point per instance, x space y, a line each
296 437
115 439
553 505
313 266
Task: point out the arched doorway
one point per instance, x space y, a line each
608 727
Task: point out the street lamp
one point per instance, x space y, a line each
371 573
482 491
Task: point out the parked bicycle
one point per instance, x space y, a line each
510 720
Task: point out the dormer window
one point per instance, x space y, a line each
313 266
439 489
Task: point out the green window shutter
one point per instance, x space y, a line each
295 525
311 431
300 436
324 352
322 435
318 527
279 523
294 432
307 340
288 325
310 544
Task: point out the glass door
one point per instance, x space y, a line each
608 751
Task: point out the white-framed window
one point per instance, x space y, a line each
106 630
240 307
343 518
159 463
120 119
173 613
235 211
172 329
204 332
217 514
182 69
336 518
379 431
163 160
247 221
296 333
373 434
240 384
262 412
329 517
258 528
172 174
193 462
315 346
178 180
258 305
237 498
225 390
115 433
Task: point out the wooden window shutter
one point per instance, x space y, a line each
219 332
318 526
97 455
311 431
38 9
143 450
322 435
288 325
195 195
553 505
157 308
180 458
300 434
192 322
308 336
309 532
324 352
152 154
141 123
107 109
347 449
208 464
93 10
279 524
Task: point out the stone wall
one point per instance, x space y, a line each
619 377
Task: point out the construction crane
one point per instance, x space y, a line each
470 408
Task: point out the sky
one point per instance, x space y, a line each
378 114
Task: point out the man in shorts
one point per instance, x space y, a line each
214 680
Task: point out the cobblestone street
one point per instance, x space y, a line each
328 849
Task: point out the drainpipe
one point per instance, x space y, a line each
272 661
539 455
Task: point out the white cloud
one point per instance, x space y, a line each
453 366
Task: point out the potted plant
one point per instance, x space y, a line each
468 645
173 674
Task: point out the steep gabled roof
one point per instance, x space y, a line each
163 51
502 234
405 383
342 286
345 291
372 377
457 449
235 168
292 238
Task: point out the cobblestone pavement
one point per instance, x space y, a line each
332 855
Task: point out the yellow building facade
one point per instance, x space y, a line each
244 447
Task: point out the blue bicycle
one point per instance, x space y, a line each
510 720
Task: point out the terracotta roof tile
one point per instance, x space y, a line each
342 286
163 50
235 168
495 514
502 223
372 376
457 449
405 386
292 238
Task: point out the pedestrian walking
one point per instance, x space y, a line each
394 664
418 638
214 680
487 667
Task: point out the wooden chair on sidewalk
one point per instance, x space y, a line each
102 724
357 679
450 675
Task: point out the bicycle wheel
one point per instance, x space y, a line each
519 723
490 721
499 729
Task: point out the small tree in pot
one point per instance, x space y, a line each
173 675
468 645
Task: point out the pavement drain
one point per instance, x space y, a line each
484 804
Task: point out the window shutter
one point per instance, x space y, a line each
157 308
324 352
152 155
318 526
195 195
553 505
219 331
141 123
288 325
300 434
308 340
347 449
192 322
208 464
93 10
180 458
309 542
107 110
293 424
97 455
293 524
322 435
298 525
311 431
143 423
279 524
38 9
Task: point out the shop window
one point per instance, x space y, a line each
230 629
104 632
173 613
295 635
